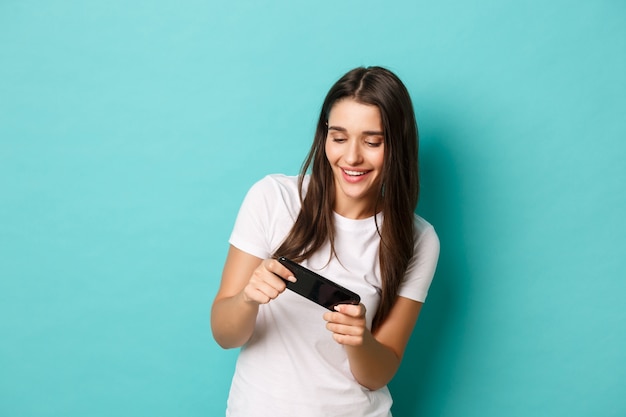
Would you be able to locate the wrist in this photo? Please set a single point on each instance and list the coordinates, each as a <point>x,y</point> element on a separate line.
<point>246,301</point>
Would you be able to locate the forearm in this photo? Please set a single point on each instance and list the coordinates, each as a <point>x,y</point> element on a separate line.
<point>372,363</point>
<point>247,282</point>
<point>233,320</point>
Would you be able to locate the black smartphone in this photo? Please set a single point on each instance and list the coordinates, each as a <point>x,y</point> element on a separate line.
<point>316,288</point>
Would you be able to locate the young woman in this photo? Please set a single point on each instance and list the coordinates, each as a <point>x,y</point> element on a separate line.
<point>351,220</point>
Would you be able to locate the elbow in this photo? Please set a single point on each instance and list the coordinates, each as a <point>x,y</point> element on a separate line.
<point>374,375</point>
<point>373,385</point>
<point>226,340</point>
<point>221,342</point>
<point>224,343</point>
<point>374,379</point>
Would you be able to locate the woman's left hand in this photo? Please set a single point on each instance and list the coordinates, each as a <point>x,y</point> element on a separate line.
<point>347,323</point>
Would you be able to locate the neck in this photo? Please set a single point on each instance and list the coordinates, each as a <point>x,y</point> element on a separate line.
<point>354,211</point>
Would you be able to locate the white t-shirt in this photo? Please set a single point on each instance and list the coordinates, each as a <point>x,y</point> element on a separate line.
<point>291,366</point>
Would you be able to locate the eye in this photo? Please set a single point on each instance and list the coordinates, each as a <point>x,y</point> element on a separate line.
<point>373,144</point>
<point>339,140</point>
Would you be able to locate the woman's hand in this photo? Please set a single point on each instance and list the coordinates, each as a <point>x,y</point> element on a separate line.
<point>247,282</point>
<point>266,283</point>
<point>374,357</point>
<point>347,323</point>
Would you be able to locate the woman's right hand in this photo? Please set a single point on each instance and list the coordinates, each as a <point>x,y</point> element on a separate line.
<point>247,282</point>
<point>267,282</point>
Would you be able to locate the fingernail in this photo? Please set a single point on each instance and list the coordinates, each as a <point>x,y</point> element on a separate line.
<point>291,278</point>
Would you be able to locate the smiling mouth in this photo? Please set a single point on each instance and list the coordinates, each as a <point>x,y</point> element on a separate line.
<point>354,173</point>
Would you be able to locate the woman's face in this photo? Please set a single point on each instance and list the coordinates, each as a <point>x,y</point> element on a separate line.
<point>355,149</point>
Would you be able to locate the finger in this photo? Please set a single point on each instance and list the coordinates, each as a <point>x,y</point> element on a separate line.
<point>348,340</point>
<point>328,316</point>
<point>274,282</point>
<point>278,269</point>
<point>263,292</point>
<point>351,310</point>
<point>272,289</point>
<point>263,275</point>
<point>346,330</point>
<point>253,295</point>
<point>340,318</point>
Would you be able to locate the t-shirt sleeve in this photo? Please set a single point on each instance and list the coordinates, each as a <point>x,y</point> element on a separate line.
<point>250,231</point>
<point>421,269</point>
<point>266,215</point>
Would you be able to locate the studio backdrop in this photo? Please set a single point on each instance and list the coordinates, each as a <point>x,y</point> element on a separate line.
<point>131,131</point>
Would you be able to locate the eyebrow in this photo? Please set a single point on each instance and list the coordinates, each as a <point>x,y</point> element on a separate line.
<point>365,132</point>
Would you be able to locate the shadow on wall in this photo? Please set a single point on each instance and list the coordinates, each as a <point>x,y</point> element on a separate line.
<point>429,361</point>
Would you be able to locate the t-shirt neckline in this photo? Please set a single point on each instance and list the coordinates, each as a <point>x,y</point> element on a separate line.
<point>346,223</point>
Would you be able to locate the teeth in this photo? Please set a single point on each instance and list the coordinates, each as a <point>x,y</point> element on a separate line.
<point>354,173</point>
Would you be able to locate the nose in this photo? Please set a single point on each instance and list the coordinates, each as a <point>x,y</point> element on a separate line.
<point>353,153</point>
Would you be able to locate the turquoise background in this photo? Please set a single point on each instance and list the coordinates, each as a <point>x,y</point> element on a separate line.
<point>130,132</point>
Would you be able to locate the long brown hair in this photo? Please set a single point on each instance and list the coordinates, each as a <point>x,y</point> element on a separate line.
<point>399,189</point>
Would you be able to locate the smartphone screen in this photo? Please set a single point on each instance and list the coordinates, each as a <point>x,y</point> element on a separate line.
<point>317,288</point>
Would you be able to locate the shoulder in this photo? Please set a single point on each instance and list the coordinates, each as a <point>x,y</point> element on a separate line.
<point>421,268</point>
<point>422,227</point>
<point>277,183</point>
<point>424,235</point>
<point>266,215</point>
<point>274,192</point>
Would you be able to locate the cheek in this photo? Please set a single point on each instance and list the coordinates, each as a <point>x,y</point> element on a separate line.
<point>378,159</point>
<point>330,151</point>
